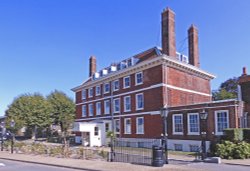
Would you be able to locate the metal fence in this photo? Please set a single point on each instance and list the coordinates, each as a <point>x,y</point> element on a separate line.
<point>137,151</point>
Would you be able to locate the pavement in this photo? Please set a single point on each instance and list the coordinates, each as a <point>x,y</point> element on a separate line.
<point>97,165</point>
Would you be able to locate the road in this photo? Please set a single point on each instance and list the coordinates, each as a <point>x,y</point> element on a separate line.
<point>216,167</point>
<point>7,165</point>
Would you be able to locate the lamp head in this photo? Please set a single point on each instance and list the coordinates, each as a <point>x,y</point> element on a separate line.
<point>164,111</point>
<point>203,115</point>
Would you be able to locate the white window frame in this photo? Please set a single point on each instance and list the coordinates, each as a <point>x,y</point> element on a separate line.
<point>84,110</point>
<point>189,128</point>
<point>96,92</point>
<point>136,80</point>
<point>98,106</point>
<point>125,104</point>
<point>91,106</point>
<point>116,89</point>
<point>124,83</point>
<point>137,125</point>
<point>104,88</point>
<point>91,90</point>
<point>136,101</point>
<point>115,125</point>
<point>126,131</point>
<point>114,107</point>
<point>106,110</point>
<point>84,94</point>
<point>173,123</point>
<point>216,122</point>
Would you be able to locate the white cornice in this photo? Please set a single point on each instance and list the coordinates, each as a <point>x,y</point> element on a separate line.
<point>187,67</point>
<point>159,60</point>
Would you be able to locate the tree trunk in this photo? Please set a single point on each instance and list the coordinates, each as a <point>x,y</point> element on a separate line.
<point>33,136</point>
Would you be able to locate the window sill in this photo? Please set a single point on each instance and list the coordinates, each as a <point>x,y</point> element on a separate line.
<point>140,133</point>
<point>137,84</point>
<point>193,134</point>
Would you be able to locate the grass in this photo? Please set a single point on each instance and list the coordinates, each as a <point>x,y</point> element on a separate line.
<point>183,153</point>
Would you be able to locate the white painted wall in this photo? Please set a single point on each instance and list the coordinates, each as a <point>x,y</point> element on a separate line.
<point>95,140</point>
<point>186,144</point>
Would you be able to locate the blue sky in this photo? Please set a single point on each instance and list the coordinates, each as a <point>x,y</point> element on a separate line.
<point>45,44</point>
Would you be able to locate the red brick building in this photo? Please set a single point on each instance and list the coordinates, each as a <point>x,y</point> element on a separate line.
<point>133,91</point>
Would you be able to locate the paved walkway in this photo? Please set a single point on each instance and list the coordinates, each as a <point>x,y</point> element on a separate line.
<point>103,165</point>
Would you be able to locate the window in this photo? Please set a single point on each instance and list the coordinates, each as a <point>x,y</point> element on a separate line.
<point>106,107</point>
<point>194,148</point>
<point>127,124</point>
<point>84,111</point>
<point>221,121</point>
<point>106,88</point>
<point>127,104</point>
<point>140,125</point>
<point>177,124</point>
<point>126,82</point>
<point>106,127</point>
<point>91,92</point>
<point>117,126</point>
<point>98,108</point>
<point>193,124</point>
<point>116,85</point>
<point>96,131</point>
<point>138,78</point>
<point>97,90</point>
<point>116,105</point>
<point>178,147</point>
<point>139,101</point>
<point>83,94</point>
<point>91,110</point>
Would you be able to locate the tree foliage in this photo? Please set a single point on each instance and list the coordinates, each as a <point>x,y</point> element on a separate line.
<point>227,90</point>
<point>63,111</point>
<point>30,111</point>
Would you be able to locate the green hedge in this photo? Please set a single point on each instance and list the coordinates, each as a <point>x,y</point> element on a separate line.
<point>236,134</point>
<point>233,134</point>
<point>246,135</point>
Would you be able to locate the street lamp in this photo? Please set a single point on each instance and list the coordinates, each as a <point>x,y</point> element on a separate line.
<point>2,134</point>
<point>203,117</point>
<point>164,114</point>
<point>12,125</point>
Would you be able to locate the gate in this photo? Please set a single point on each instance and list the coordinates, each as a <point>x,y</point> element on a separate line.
<point>137,151</point>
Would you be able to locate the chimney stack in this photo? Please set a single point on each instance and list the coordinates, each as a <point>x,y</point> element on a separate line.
<point>92,65</point>
<point>193,46</point>
<point>168,32</point>
<point>244,71</point>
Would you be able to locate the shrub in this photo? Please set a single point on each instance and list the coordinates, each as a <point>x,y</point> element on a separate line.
<point>241,151</point>
<point>230,150</point>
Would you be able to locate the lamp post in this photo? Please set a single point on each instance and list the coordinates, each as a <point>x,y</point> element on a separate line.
<point>164,114</point>
<point>12,125</point>
<point>203,117</point>
<point>2,133</point>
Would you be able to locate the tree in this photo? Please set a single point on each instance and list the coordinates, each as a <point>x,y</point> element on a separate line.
<point>30,111</point>
<point>227,89</point>
<point>63,112</point>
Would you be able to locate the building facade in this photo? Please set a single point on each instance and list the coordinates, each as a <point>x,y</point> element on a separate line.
<point>126,97</point>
